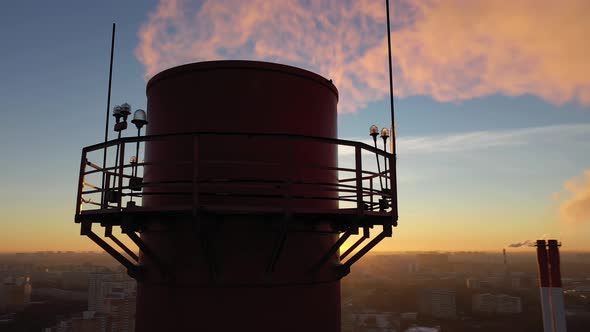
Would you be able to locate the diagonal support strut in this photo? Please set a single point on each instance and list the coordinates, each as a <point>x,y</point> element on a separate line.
<point>132,270</point>
<point>108,232</point>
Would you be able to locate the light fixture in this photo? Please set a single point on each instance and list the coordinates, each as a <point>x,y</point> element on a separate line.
<point>374,131</point>
<point>384,133</point>
<point>385,136</point>
<point>125,110</point>
<point>117,113</point>
<point>121,111</point>
<point>139,118</point>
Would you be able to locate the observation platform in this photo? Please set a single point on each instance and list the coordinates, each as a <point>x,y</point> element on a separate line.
<point>276,184</point>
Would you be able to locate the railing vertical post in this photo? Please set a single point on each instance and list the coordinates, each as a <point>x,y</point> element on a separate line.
<point>371,193</point>
<point>105,190</point>
<point>359,178</point>
<point>393,187</point>
<point>81,177</point>
<point>121,165</point>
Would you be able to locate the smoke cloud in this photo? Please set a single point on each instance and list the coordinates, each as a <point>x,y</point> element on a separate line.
<point>527,243</point>
<point>451,50</point>
<point>575,204</point>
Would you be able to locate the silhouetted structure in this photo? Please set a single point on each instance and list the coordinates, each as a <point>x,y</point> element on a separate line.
<point>552,302</point>
<point>240,200</point>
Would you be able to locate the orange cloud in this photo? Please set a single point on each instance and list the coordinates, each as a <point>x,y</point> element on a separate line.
<point>451,50</point>
<point>575,208</point>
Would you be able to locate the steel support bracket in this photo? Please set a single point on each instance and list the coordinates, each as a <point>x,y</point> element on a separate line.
<point>366,233</point>
<point>387,232</point>
<point>143,248</point>
<point>108,232</point>
<point>334,248</point>
<point>133,270</point>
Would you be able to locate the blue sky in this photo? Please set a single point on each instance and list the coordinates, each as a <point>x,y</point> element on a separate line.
<point>475,173</point>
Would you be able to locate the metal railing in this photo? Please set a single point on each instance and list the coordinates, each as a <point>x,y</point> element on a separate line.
<point>355,189</point>
<point>294,182</point>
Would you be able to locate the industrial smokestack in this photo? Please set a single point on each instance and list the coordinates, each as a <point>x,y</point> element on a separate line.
<point>238,210</point>
<point>557,302</point>
<point>544,285</point>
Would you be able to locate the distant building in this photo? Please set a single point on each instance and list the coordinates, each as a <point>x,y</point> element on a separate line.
<point>501,303</point>
<point>473,283</point>
<point>118,315</point>
<point>509,304</point>
<point>102,285</point>
<point>60,294</point>
<point>112,295</point>
<point>374,322</point>
<point>432,261</point>
<point>495,280</point>
<point>88,321</point>
<point>485,303</point>
<point>423,329</point>
<point>121,311</point>
<point>15,293</point>
<point>74,280</point>
<point>409,316</point>
<point>516,282</point>
<point>439,303</point>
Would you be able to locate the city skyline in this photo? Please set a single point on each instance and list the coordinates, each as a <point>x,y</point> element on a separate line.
<point>463,292</point>
<point>492,131</point>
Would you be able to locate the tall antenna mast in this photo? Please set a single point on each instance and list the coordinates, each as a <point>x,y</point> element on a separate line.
<point>106,127</point>
<point>393,165</point>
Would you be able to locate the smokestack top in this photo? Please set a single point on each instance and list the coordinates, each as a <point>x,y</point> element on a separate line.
<point>241,64</point>
<point>543,263</point>
<point>554,264</point>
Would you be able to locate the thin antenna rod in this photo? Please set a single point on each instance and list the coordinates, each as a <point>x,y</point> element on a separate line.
<point>393,163</point>
<point>106,128</point>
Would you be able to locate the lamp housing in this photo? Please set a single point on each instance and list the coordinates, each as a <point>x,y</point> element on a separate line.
<point>139,118</point>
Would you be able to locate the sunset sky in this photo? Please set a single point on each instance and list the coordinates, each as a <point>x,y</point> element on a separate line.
<point>492,101</point>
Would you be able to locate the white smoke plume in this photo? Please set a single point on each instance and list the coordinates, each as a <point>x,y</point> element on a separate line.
<point>575,200</point>
<point>451,50</point>
<point>527,243</point>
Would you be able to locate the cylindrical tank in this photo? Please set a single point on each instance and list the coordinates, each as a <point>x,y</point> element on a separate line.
<point>216,265</point>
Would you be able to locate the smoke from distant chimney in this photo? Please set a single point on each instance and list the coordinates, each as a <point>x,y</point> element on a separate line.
<point>527,243</point>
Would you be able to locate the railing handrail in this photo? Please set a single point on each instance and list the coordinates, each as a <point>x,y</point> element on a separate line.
<point>147,138</point>
<point>356,174</point>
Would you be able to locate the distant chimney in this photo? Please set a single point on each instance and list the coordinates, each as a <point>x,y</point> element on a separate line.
<point>544,285</point>
<point>557,302</point>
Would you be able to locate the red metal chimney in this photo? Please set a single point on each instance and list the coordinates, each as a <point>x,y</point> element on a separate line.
<point>544,285</point>
<point>557,301</point>
<point>241,201</point>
